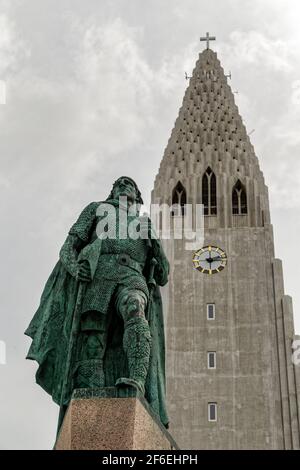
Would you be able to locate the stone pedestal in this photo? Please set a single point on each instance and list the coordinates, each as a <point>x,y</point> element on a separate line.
<point>111,419</point>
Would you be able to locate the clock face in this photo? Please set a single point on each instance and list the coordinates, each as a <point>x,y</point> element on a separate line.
<point>210,260</point>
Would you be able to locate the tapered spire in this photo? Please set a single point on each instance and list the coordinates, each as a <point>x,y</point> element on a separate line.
<point>209,123</point>
<point>209,132</point>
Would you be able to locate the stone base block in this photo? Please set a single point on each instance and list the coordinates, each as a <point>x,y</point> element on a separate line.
<point>111,419</point>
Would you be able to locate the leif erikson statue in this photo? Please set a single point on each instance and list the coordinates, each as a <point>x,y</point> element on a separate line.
<point>100,323</point>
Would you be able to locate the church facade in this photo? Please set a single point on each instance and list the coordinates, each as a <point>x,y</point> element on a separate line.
<point>231,380</point>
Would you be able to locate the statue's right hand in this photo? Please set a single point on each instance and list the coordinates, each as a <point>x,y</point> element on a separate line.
<point>84,272</point>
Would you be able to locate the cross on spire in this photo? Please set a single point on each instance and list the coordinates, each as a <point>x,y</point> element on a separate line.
<point>207,38</point>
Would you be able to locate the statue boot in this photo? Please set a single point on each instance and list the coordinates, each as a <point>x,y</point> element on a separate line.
<point>131,304</point>
<point>89,374</point>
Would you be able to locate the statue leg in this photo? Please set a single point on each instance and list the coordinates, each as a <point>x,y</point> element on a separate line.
<point>90,372</point>
<point>131,305</point>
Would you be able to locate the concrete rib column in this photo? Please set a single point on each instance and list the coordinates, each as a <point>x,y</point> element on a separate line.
<point>282,360</point>
<point>296,367</point>
<point>288,322</point>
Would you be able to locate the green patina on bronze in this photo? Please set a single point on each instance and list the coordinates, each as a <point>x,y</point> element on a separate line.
<point>100,321</point>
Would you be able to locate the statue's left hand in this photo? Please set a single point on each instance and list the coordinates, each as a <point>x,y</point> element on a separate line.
<point>80,269</point>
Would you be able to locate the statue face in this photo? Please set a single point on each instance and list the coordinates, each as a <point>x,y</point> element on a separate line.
<point>125,188</point>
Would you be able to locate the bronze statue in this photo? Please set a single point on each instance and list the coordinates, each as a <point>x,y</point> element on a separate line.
<point>100,323</point>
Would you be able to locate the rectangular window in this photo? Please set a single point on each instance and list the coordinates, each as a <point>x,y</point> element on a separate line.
<point>212,412</point>
<point>211,311</point>
<point>212,360</point>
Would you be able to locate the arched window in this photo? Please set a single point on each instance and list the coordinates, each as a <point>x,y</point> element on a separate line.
<point>178,199</point>
<point>239,199</point>
<point>209,192</point>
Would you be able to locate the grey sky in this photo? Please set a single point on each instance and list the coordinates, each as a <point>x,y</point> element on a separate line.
<point>93,90</point>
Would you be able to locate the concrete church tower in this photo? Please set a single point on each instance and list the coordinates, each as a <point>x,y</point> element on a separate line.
<point>231,381</point>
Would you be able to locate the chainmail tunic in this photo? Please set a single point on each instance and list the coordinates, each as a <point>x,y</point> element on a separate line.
<point>110,273</point>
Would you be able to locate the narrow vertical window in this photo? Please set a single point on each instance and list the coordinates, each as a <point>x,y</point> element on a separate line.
<point>239,199</point>
<point>213,195</point>
<point>212,412</point>
<point>178,199</point>
<point>212,360</point>
<point>209,192</point>
<point>211,311</point>
<point>235,202</point>
<point>205,193</point>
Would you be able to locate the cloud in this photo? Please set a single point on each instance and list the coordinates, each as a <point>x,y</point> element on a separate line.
<point>4,182</point>
<point>256,48</point>
<point>296,93</point>
<point>281,143</point>
<point>268,100</point>
<point>12,48</point>
<point>117,83</point>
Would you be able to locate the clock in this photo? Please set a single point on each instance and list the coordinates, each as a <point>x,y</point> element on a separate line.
<point>209,260</point>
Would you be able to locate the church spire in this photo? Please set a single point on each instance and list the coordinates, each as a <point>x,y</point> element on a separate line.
<point>209,132</point>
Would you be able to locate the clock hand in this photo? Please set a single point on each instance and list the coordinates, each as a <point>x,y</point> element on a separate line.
<point>211,260</point>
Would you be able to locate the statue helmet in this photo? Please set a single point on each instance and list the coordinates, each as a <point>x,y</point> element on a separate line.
<point>139,196</point>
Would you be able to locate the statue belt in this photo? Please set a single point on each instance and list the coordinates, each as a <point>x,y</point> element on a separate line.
<point>123,260</point>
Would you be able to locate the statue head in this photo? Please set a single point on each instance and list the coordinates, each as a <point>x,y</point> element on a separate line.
<point>126,187</point>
